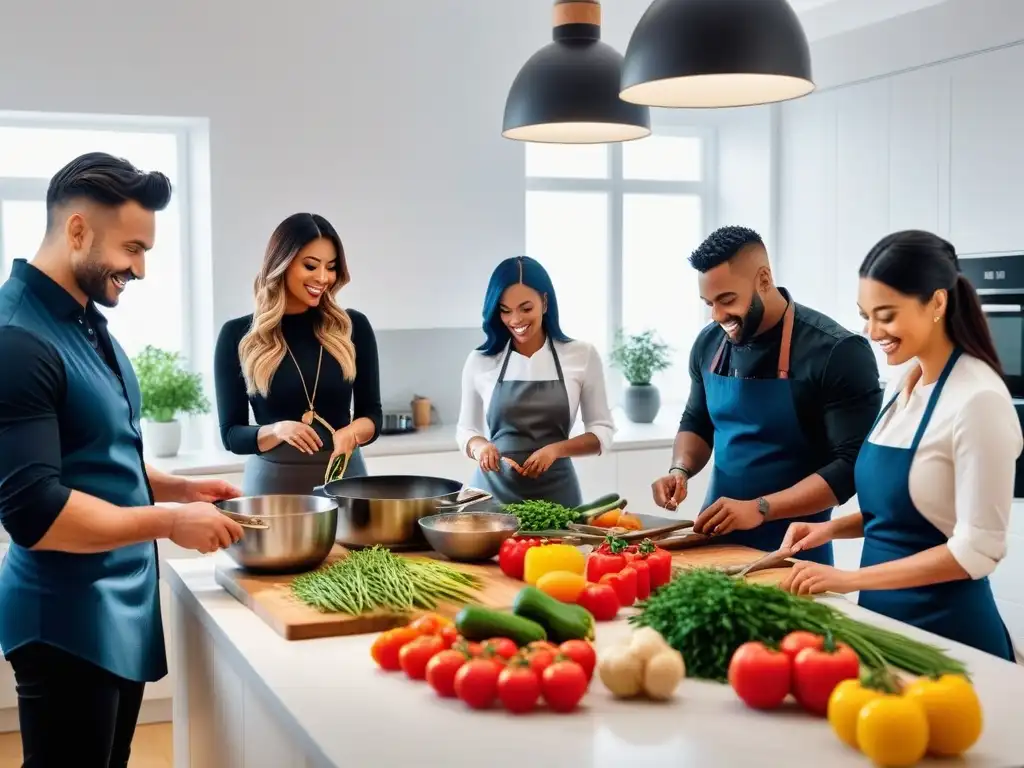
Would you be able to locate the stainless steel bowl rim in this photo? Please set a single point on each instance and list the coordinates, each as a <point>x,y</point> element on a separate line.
<point>427,523</point>
<point>324,505</point>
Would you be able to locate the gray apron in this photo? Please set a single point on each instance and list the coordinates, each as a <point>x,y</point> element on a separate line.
<point>523,417</point>
<point>285,469</point>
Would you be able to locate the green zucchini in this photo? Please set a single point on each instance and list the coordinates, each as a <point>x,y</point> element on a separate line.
<point>598,511</point>
<point>561,620</point>
<point>608,499</point>
<point>477,623</point>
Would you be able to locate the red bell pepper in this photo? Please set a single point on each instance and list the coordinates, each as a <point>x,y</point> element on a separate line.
<point>610,557</point>
<point>659,562</point>
<point>643,577</point>
<point>600,600</point>
<point>624,583</point>
<point>512,555</point>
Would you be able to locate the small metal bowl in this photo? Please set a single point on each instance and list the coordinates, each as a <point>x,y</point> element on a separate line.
<point>468,536</point>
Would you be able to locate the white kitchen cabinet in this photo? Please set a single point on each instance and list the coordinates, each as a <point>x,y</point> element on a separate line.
<point>806,257</point>
<point>987,154</point>
<point>637,470</point>
<point>598,475</point>
<point>862,189</point>
<point>919,150</point>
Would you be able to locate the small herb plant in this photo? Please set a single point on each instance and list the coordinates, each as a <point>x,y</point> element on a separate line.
<point>640,356</point>
<point>168,388</point>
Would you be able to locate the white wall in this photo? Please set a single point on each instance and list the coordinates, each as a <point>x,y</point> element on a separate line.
<point>920,135</point>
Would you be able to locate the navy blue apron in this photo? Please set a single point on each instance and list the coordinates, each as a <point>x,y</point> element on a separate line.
<point>964,611</point>
<point>524,416</point>
<point>760,447</point>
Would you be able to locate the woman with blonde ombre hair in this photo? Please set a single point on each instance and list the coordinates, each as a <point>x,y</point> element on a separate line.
<point>307,367</point>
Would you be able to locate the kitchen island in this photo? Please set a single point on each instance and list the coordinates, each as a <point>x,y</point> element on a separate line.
<point>246,698</point>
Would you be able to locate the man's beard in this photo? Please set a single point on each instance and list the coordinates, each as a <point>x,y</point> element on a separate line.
<point>95,280</point>
<point>750,322</point>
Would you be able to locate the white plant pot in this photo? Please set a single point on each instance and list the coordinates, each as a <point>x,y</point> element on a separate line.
<point>161,438</point>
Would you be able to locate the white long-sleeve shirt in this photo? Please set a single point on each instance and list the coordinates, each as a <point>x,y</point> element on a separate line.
<point>961,478</point>
<point>584,383</point>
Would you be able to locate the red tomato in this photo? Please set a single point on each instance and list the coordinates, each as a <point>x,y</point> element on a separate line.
<point>472,650</point>
<point>414,656</point>
<point>441,671</point>
<point>582,653</point>
<point>795,642</point>
<point>816,673</point>
<point>388,645</point>
<point>624,583</point>
<point>539,659</point>
<point>643,577</point>
<point>450,636</point>
<point>660,564</point>
<point>518,688</point>
<point>542,645</point>
<point>760,676</point>
<point>430,624</point>
<point>476,682</point>
<point>601,601</point>
<point>501,647</point>
<point>564,684</point>
<point>600,563</point>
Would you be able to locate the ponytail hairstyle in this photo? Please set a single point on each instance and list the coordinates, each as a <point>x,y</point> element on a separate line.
<point>918,264</point>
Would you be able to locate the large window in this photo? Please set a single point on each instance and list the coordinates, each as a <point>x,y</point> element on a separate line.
<point>32,150</point>
<point>614,225</point>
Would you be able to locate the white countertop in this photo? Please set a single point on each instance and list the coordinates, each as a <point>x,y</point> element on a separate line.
<point>439,439</point>
<point>322,688</point>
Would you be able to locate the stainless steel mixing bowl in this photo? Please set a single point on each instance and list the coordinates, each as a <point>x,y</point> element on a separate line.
<point>384,509</point>
<point>299,537</point>
<point>468,536</point>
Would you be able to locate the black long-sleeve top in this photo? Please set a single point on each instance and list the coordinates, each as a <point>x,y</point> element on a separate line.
<point>337,401</point>
<point>836,388</point>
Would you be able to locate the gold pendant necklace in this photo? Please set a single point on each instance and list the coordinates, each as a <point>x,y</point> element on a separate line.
<point>309,416</point>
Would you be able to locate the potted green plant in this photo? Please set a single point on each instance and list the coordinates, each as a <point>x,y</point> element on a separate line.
<point>639,357</point>
<point>168,390</point>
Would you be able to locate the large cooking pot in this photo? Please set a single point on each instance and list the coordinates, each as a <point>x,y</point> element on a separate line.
<point>298,537</point>
<point>385,509</point>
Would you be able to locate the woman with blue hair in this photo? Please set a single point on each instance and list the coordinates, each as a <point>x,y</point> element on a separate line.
<point>522,390</point>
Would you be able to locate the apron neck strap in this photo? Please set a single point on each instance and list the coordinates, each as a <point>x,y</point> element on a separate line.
<point>784,348</point>
<point>508,354</point>
<point>934,398</point>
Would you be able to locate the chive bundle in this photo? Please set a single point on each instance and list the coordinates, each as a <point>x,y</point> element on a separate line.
<point>707,615</point>
<point>376,579</point>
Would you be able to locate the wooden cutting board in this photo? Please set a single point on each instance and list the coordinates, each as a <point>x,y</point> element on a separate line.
<point>270,598</point>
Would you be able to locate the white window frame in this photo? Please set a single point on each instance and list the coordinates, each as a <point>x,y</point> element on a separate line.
<point>616,188</point>
<point>180,128</point>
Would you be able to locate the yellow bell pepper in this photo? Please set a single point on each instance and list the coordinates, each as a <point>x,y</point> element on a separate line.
<point>549,558</point>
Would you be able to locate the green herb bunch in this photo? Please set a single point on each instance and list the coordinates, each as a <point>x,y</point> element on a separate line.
<point>706,616</point>
<point>168,387</point>
<point>540,515</point>
<point>640,356</point>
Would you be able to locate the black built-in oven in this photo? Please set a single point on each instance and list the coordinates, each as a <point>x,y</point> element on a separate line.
<point>999,280</point>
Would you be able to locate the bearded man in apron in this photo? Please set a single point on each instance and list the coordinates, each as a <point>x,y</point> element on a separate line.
<point>783,394</point>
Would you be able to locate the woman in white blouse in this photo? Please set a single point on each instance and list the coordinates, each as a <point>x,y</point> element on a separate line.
<point>522,389</point>
<point>935,476</point>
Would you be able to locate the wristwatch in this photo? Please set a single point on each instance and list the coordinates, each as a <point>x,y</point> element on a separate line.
<point>763,507</point>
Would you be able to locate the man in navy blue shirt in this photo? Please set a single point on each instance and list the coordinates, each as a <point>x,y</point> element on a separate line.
<point>79,602</point>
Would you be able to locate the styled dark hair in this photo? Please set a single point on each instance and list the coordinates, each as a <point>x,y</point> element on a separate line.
<point>721,245</point>
<point>918,264</point>
<point>529,272</point>
<point>107,180</point>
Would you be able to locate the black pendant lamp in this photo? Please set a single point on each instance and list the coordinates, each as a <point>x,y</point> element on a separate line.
<point>568,92</point>
<point>717,53</point>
